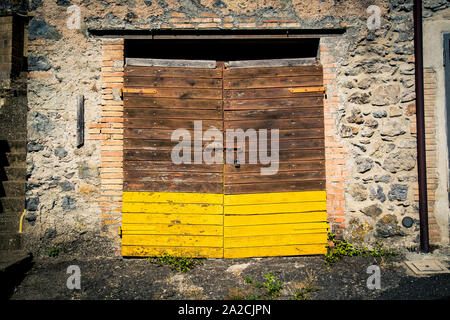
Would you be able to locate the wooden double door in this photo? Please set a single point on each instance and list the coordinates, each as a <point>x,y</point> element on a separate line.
<point>230,209</point>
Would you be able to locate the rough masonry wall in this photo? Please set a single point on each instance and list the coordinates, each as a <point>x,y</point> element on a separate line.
<point>371,156</point>
<point>376,117</point>
<point>63,181</point>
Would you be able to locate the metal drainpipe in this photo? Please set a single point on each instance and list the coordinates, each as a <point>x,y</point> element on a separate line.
<point>420,122</point>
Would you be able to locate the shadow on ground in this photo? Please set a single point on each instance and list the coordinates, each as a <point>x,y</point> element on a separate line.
<point>302,278</point>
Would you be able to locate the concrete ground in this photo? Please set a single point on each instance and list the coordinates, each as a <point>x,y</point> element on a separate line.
<point>302,278</point>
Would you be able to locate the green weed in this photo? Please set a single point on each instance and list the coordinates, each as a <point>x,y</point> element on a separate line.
<point>303,294</point>
<point>55,251</point>
<point>343,248</point>
<point>272,285</point>
<point>179,264</point>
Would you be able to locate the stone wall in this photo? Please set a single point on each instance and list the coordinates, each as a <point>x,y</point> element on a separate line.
<point>63,180</point>
<point>377,84</point>
<point>371,155</point>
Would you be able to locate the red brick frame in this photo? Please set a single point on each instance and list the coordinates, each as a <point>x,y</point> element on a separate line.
<point>336,154</point>
<point>430,86</point>
<point>110,133</point>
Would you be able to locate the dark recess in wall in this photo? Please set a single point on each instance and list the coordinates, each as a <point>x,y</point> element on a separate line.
<point>222,49</point>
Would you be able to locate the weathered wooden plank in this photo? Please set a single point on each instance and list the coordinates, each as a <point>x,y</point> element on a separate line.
<point>273,63</point>
<point>310,185</point>
<point>199,230</point>
<point>282,166</point>
<point>147,155</point>
<point>283,144</point>
<point>152,177</point>
<point>287,155</point>
<point>164,82</point>
<point>267,208</point>
<point>147,133</point>
<point>285,124</point>
<point>169,166</point>
<point>290,250</point>
<point>166,155</point>
<point>275,240</point>
<point>134,71</point>
<point>150,123</point>
<point>151,251</point>
<point>307,100</point>
<point>273,82</point>
<point>174,186</point>
<point>282,197</point>
<point>256,177</point>
<point>161,144</point>
<point>147,144</point>
<point>171,63</point>
<point>180,93</point>
<point>158,134</point>
<point>276,229</point>
<point>266,93</point>
<point>154,113</point>
<point>170,197</point>
<point>173,219</point>
<point>281,113</point>
<point>188,208</point>
<point>271,72</point>
<point>301,133</point>
<point>138,176</point>
<point>143,91</point>
<point>172,103</point>
<point>270,219</point>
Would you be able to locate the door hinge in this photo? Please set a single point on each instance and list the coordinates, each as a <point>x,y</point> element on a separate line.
<point>310,89</point>
<point>138,90</point>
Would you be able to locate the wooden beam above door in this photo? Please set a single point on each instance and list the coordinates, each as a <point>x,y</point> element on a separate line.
<point>217,33</point>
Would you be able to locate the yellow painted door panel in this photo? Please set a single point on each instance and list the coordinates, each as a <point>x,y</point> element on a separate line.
<point>275,240</point>
<point>238,230</point>
<point>276,197</point>
<point>172,197</point>
<point>198,208</point>
<point>185,229</point>
<point>166,240</point>
<point>273,219</point>
<point>266,224</point>
<point>150,251</point>
<point>291,250</point>
<point>180,224</point>
<point>276,208</point>
<point>172,219</point>
<point>284,228</point>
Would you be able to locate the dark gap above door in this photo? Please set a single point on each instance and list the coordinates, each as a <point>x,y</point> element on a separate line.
<point>222,49</point>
